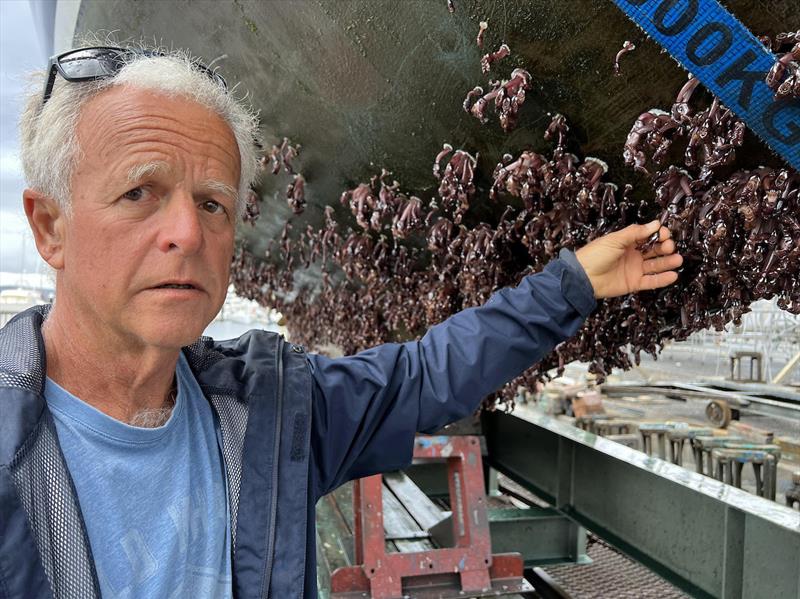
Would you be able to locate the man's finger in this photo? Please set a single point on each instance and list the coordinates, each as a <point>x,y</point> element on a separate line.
<point>662,263</point>
<point>634,234</point>
<point>658,280</point>
<point>661,249</point>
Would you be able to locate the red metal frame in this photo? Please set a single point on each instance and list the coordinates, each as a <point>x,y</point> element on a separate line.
<point>471,558</point>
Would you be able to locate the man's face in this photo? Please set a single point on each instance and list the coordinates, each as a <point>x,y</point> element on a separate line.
<point>149,242</point>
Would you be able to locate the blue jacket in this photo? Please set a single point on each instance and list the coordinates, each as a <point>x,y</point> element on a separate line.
<point>293,426</point>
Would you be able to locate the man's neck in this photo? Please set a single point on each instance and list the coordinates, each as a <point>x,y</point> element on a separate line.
<point>120,379</point>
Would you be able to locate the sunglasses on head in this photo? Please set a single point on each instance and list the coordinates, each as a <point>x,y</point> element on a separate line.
<point>102,62</point>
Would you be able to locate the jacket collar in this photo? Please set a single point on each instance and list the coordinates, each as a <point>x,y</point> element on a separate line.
<point>22,372</point>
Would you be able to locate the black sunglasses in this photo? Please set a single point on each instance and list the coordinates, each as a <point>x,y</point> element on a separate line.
<point>101,62</point>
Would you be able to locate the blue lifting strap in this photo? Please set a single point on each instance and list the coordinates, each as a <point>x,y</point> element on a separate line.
<point>715,47</point>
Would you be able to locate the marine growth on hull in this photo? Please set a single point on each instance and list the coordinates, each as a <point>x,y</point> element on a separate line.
<point>396,261</point>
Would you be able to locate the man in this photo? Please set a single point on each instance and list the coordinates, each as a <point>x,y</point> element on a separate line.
<point>138,461</point>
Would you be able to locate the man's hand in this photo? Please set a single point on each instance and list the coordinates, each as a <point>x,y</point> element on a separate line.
<point>615,266</point>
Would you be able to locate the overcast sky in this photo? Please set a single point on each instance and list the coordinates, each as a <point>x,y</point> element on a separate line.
<point>19,53</point>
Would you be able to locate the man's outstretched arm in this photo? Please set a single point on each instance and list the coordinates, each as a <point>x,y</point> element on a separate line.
<point>367,407</point>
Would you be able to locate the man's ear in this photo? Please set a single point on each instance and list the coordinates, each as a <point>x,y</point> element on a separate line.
<point>48,224</point>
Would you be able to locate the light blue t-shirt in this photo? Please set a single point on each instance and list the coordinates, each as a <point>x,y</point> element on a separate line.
<point>154,499</point>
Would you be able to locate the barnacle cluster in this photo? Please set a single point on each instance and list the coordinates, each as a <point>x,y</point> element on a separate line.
<point>456,186</point>
<point>784,76</point>
<point>281,157</point>
<point>252,208</point>
<point>395,263</point>
<point>507,95</point>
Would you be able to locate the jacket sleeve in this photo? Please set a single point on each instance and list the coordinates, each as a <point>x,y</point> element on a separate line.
<point>367,407</point>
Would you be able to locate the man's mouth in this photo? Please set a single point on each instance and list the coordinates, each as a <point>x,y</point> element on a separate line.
<point>175,286</point>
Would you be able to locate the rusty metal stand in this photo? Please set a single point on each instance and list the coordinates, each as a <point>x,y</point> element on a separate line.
<point>466,569</point>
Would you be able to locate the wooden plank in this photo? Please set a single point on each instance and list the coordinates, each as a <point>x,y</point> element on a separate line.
<point>424,511</point>
<point>342,499</point>
<point>331,533</point>
<point>400,527</point>
<point>395,517</point>
<point>323,573</point>
<point>344,503</point>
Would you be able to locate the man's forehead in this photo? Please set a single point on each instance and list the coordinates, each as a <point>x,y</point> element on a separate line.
<point>146,125</point>
<point>125,109</point>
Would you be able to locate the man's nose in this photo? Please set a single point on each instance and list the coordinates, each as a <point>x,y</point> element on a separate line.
<point>180,227</point>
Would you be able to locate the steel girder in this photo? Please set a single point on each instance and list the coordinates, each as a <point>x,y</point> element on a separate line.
<point>708,538</point>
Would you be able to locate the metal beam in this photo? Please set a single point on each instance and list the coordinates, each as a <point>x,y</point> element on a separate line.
<point>786,369</point>
<point>746,397</point>
<point>708,538</point>
<point>541,535</point>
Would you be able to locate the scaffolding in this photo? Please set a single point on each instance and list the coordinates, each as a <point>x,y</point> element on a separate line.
<point>766,330</point>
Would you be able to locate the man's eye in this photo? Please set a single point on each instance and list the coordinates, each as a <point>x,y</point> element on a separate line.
<point>135,194</point>
<point>213,207</point>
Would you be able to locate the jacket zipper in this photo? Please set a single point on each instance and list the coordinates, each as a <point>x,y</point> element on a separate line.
<point>276,455</point>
